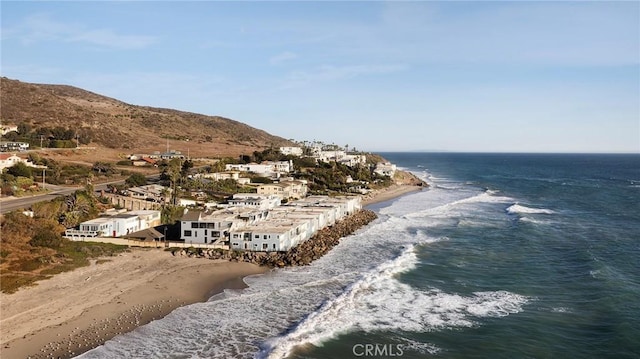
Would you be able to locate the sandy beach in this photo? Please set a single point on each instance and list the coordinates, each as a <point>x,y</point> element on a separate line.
<point>79,310</point>
<point>76,311</point>
<point>388,193</point>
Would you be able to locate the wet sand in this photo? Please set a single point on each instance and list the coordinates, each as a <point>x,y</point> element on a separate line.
<point>76,311</point>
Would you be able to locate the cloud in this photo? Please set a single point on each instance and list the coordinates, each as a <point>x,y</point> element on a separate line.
<point>41,27</point>
<point>282,57</point>
<point>328,73</point>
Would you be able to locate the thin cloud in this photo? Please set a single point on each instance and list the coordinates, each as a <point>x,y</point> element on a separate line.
<point>282,57</point>
<point>328,73</point>
<point>41,27</point>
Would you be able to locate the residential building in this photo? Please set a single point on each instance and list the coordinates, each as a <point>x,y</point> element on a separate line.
<point>289,225</point>
<point>254,200</point>
<point>271,236</point>
<point>293,151</point>
<point>199,226</point>
<point>152,192</point>
<point>9,160</point>
<point>266,168</point>
<point>8,128</point>
<point>385,169</point>
<point>9,146</point>
<point>115,224</point>
<point>284,189</point>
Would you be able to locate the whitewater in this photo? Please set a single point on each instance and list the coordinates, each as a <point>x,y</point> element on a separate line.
<point>356,288</point>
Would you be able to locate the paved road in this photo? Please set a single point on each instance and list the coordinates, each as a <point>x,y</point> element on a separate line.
<point>12,204</point>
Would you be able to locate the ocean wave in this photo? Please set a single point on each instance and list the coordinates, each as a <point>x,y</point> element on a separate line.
<point>520,209</point>
<point>488,196</point>
<point>533,220</point>
<point>378,301</point>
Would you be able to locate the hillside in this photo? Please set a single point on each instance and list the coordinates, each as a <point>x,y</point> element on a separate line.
<point>112,124</point>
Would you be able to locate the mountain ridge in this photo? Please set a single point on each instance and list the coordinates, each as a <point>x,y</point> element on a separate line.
<point>107,122</point>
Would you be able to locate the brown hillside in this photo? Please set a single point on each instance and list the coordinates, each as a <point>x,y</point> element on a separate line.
<point>121,127</point>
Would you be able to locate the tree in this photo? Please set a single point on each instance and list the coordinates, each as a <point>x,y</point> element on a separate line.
<point>20,170</point>
<point>136,179</point>
<point>24,129</point>
<point>103,167</point>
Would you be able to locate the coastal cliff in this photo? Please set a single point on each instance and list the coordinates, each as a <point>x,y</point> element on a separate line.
<point>308,251</point>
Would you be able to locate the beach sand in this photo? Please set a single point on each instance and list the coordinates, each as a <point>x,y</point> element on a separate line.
<point>79,310</point>
<point>388,193</point>
<point>76,311</point>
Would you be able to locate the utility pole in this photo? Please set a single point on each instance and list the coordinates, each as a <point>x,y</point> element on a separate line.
<point>43,174</point>
<point>41,138</point>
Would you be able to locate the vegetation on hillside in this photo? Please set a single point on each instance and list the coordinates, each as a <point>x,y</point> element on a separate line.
<point>65,116</point>
<point>33,249</point>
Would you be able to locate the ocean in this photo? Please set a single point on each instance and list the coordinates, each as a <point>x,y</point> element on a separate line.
<point>503,256</point>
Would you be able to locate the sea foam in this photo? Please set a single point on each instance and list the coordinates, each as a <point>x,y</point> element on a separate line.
<point>520,209</point>
<point>379,301</point>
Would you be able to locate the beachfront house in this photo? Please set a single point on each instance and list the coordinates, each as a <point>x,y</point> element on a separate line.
<point>289,225</point>
<point>277,234</point>
<point>385,169</point>
<point>115,223</point>
<point>197,226</point>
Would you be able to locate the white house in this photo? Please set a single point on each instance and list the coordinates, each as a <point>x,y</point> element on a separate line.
<point>353,160</point>
<point>385,169</point>
<point>115,224</point>
<point>284,189</point>
<point>9,160</point>
<point>266,168</point>
<point>254,200</point>
<point>293,151</point>
<point>212,226</point>
<point>7,146</point>
<point>152,192</point>
<point>288,226</point>
<point>272,235</point>
<point>8,128</point>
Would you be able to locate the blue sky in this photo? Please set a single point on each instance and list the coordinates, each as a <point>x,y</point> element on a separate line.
<point>380,76</point>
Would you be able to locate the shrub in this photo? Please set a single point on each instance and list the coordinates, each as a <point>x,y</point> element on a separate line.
<point>46,238</point>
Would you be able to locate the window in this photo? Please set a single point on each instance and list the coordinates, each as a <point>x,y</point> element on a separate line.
<point>211,225</point>
<point>274,246</point>
<point>205,232</point>
<point>257,236</point>
<point>265,246</point>
<point>235,244</point>
<point>265,236</point>
<point>187,233</point>
<point>194,224</point>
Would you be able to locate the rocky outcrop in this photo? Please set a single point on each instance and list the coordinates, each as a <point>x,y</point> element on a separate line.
<point>303,254</point>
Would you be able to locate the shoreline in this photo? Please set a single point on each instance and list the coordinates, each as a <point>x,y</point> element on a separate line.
<point>392,192</point>
<point>74,312</point>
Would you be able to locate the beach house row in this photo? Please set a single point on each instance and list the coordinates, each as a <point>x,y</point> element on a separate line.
<point>326,156</point>
<point>115,223</point>
<point>265,168</point>
<point>276,229</point>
